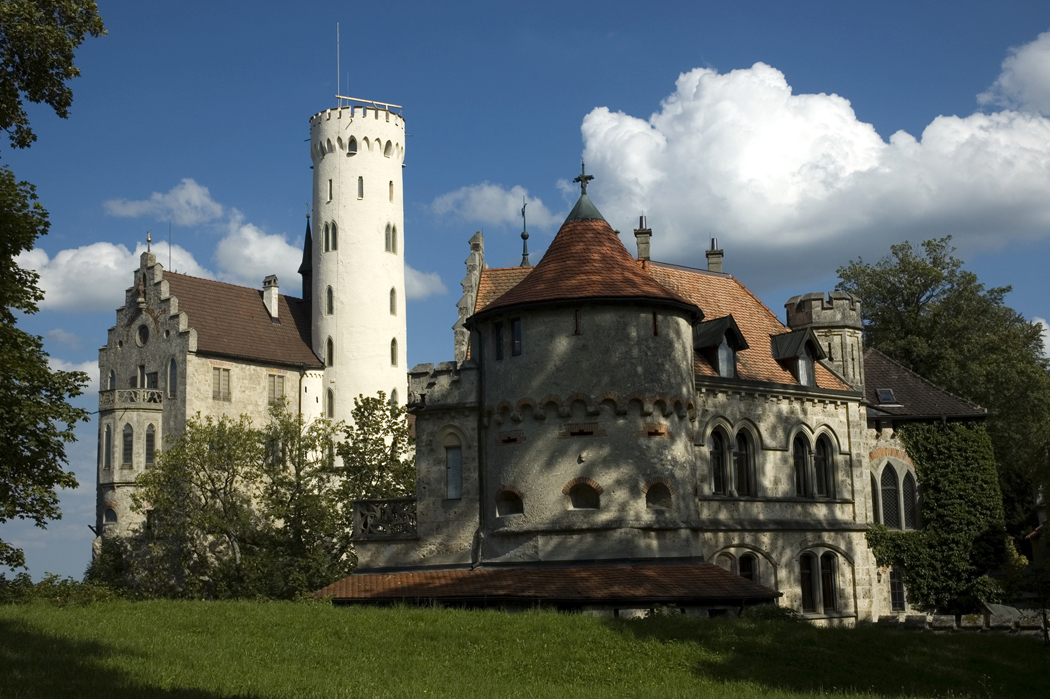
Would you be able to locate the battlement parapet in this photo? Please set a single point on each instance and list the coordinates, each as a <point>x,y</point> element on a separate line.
<point>835,309</point>
<point>443,384</point>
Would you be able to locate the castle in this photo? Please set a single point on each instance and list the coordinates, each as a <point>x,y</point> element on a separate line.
<point>612,433</point>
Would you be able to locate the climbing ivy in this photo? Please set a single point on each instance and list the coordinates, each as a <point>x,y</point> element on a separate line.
<point>944,564</point>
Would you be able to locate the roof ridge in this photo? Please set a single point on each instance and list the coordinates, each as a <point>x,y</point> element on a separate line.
<point>926,381</point>
<point>236,286</point>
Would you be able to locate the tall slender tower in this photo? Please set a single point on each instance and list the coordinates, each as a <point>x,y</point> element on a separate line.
<point>358,269</point>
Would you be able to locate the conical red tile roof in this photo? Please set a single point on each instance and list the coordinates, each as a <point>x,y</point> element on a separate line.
<point>587,261</point>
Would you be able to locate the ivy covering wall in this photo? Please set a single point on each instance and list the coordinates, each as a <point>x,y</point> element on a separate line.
<point>944,563</point>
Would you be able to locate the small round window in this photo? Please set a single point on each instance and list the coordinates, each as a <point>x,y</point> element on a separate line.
<point>143,335</point>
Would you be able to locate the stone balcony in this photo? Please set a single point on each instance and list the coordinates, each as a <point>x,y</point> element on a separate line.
<point>133,398</point>
<point>385,519</point>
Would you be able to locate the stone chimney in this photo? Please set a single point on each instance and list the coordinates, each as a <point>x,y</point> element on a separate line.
<point>270,295</point>
<point>642,234</point>
<point>714,257</point>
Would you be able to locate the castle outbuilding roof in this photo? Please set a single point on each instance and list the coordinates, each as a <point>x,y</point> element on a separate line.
<point>626,584</point>
<point>232,321</point>
<point>586,262</point>
<point>910,396</point>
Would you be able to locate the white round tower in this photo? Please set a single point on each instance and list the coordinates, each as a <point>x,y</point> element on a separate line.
<point>358,269</point>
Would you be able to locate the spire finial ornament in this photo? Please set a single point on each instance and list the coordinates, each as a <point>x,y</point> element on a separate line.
<point>524,236</point>
<point>583,178</point>
<point>149,241</point>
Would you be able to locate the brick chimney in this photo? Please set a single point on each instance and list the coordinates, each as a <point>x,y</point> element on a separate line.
<point>714,257</point>
<point>642,234</point>
<point>270,295</point>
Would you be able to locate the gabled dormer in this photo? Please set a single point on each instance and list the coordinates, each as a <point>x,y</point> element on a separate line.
<point>718,341</point>
<point>798,351</point>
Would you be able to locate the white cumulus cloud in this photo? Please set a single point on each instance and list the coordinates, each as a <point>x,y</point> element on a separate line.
<point>185,204</point>
<point>94,277</point>
<point>1024,83</point>
<point>419,285</point>
<point>90,368</point>
<point>1046,334</point>
<point>494,205</point>
<point>247,255</point>
<point>795,185</point>
<point>63,337</point>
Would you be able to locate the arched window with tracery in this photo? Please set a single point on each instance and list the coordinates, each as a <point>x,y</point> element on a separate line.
<point>800,460</point>
<point>891,513</point>
<point>743,465</point>
<point>718,463</point>
<point>911,519</point>
<point>128,452</point>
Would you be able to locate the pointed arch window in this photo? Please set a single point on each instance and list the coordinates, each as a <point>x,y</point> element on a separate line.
<point>335,236</point>
<point>718,463</point>
<point>391,190</point>
<point>112,379</point>
<point>128,452</point>
<point>393,240</point>
<point>800,459</point>
<point>393,301</point>
<point>806,566</point>
<point>151,444</point>
<point>327,239</point>
<point>827,582</point>
<point>891,514</point>
<point>360,187</point>
<point>389,245</point>
<point>329,301</point>
<point>329,404</point>
<point>351,147</point>
<point>393,352</point>
<point>743,465</point>
<point>329,353</point>
<point>173,378</point>
<point>823,481</point>
<point>453,467</point>
<point>876,512</point>
<point>911,519</point>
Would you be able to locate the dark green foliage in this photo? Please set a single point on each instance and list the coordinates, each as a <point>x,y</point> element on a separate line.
<point>37,41</point>
<point>923,310</point>
<point>377,455</point>
<point>52,589</point>
<point>944,564</point>
<point>36,421</point>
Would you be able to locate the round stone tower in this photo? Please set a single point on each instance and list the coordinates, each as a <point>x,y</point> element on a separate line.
<point>357,258</point>
<point>836,321</point>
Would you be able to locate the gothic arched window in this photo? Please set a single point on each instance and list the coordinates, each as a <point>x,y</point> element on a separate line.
<point>335,236</point>
<point>329,301</point>
<point>173,378</point>
<point>823,468</point>
<point>129,445</point>
<point>389,247</point>
<point>151,444</point>
<point>327,240</point>
<point>329,353</point>
<point>393,352</point>
<point>718,463</point>
<point>910,502</point>
<point>453,467</point>
<point>744,465</point>
<point>329,404</point>
<point>393,240</point>
<point>891,513</point>
<point>393,301</point>
<point>351,147</point>
<point>800,459</point>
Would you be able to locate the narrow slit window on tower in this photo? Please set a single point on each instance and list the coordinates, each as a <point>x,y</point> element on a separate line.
<point>393,239</point>
<point>360,187</point>
<point>329,404</point>
<point>327,239</point>
<point>329,301</point>
<point>577,321</point>
<point>393,352</point>
<point>329,190</point>
<point>393,302</point>
<point>112,379</point>
<point>128,450</point>
<point>656,324</point>
<point>497,339</point>
<point>173,378</point>
<point>151,444</point>
<point>515,337</point>
<point>107,446</point>
<point>389,247</point>
<point>391,190</point>
<point>335,236</point>
<point>329,353</point>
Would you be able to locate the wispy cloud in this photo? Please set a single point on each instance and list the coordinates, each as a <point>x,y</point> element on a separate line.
<point>90,368</point>
<point>185,204</point>
<point>493,205</point>
<point>419,285</point>
<point>63,337</point>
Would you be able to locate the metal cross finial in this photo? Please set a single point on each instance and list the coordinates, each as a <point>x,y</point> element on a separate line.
<point>149,241</point>
<point>524,236</point>
<point>524,203</point>
<point>583,178</point>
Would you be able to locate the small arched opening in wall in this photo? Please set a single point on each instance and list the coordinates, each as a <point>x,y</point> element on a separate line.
<point>389,150</point>
<point>658,493</point>
<point>351,147</point>
<point>584,494</point>
<point>509,501</point>
<point>109,516</point>
<point>750,562</point>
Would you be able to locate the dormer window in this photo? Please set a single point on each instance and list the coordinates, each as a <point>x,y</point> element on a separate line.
<point>718,341</point>
<point>797,352</point>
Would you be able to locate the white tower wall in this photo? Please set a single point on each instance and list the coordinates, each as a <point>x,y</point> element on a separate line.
<point>358,265</point>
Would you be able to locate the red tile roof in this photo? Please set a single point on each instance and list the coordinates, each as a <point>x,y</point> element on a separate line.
<point>232,321</point>
<point>613,582</point>
<point>586,260</point>
<point>717,295</point>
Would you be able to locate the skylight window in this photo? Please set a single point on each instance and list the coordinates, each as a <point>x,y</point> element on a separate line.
<point>886,396</point>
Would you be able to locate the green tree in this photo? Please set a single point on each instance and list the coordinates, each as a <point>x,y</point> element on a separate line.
<point>944,564</point>
<point>37,41</point>
<point>377,457</point>
<point>926,312</point>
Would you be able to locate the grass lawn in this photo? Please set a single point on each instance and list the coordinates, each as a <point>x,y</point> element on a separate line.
<point>198,650</point>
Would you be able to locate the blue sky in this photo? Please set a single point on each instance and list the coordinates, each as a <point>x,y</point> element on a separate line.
<point>802,135</point>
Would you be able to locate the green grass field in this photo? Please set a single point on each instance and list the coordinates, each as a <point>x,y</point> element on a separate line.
<point>198,650</point>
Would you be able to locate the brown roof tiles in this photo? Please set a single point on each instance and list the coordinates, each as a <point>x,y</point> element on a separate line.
<point>914,396</point>
<point>622,583</point>
<point>232,320</point>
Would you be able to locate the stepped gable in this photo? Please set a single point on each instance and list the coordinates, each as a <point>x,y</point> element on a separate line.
<point>914,396</point>
<point>719,295</point>
<point>233,321</point>
<point>681,583</point>
<point>585,262</point>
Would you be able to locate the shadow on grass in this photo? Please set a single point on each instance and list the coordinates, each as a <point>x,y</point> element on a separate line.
<point>882,662</point>
<point>33,664</point>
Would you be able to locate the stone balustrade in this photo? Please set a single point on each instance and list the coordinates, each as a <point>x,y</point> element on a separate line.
<point>148,398</point>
